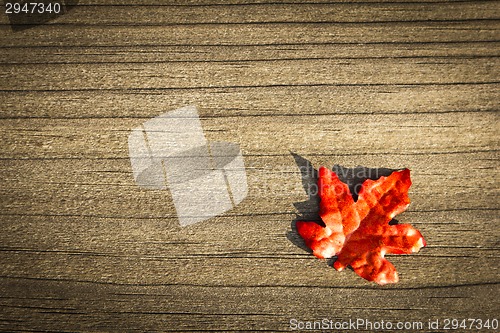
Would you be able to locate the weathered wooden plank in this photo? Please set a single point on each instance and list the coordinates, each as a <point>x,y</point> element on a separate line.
<point>164,14</point>
<point>105,188</point>
<point>478,166</point>
<point>253,34</point>
<point>251,102</point>
<point>332,134</point>
<point>228,53</point>
<point>140,14</point>
<point>249,74</point>
<point>216,3</point>
<point>466,233</point>
<point>106,201</point>
<point>184,308</point>
<point>416,271</point>
<point>218,252</point>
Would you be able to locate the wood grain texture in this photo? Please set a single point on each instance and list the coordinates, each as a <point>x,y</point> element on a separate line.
<point>380,84</point>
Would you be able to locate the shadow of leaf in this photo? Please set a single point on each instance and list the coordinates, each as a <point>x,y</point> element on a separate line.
<point>307,210</point>
<point>355,177</point>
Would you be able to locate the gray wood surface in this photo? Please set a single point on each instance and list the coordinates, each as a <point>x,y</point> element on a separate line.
<point>380,84</point>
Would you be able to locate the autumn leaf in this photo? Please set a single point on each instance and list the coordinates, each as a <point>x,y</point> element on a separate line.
<point>358,232</point>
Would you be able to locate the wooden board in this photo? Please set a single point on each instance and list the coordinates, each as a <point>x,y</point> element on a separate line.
<point>378,84</point>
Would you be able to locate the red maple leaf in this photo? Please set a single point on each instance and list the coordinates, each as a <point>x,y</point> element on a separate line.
<point>359,232</point>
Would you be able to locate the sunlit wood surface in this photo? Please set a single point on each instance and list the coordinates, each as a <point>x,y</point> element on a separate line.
<point>396,84</point>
